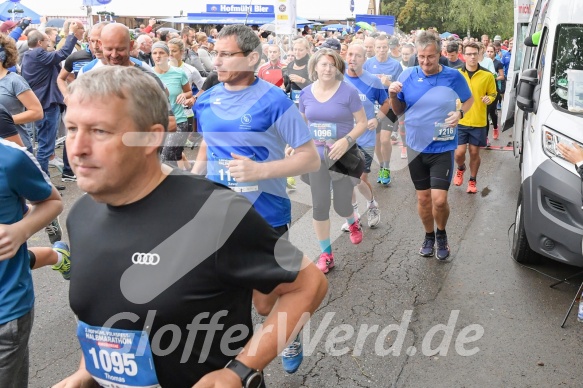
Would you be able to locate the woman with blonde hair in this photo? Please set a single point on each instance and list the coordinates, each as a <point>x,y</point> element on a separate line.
<point>296,75</point>
<point>336,119</point>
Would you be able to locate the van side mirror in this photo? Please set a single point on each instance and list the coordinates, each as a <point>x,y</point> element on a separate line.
<point>525,92</point>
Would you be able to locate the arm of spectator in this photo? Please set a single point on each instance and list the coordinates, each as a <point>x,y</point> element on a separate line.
<point>15,139</point>
<point>53,57</point>
<point>151,24</point>
<point>43,24</point>
<point>199,167</point>
<point>205,59</point>
<point>34,110</point>
<point>62,82</point>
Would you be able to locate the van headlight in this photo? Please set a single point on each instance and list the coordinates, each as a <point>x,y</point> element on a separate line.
<point>551,140</point>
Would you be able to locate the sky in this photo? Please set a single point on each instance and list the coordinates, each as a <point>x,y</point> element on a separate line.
<point>310,9</point>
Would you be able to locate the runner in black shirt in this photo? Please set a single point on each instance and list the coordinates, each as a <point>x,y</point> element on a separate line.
<point>169,263</point>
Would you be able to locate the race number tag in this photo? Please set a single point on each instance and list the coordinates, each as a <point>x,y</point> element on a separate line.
<point>117,358</point>
<point>226,179</point>
<point>295,96</point>
<point>377,107</point>
<point>323,132</point>
<point>443,133</point>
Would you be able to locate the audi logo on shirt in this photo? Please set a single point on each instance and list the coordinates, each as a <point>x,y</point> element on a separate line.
<point>146,258</point>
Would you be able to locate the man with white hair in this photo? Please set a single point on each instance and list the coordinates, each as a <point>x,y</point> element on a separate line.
<point>145,45</point>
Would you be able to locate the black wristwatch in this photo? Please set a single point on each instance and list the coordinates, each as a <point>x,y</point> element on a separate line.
<point>350,140</point>
<point>462,113</point>
<point>250,378</point>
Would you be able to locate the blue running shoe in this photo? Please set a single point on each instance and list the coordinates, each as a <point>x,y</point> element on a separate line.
<point>385,176</point>
<point>427,248</point>
<point>292,356</point>
<point>65,267</point>
<point>442,251</point>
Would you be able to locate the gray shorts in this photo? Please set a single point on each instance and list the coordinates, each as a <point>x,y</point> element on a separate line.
<point>368,157</point>
<point>14,337</point>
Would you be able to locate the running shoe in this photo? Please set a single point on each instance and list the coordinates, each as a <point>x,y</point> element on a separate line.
<point>346,228</point>
<point>355,232</point>
<point>292,356</point>
<point>403,152</point>
<point>442,251</point>
<point>488,142</point>
<point>374,217</point>
<point>385,176</point>
<point>496,133</point>
<point>57,163</point>
<point>428,247</point>
<point>68,177</point>
<point>394,138</point>
<point>291,183</point>
<point>325,262</point>
<point>54,231</point>
<point>459,177</point>
<point>65,267</point>
<point>472,187</point>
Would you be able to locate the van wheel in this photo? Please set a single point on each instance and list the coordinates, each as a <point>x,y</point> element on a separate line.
<point>521,251</point>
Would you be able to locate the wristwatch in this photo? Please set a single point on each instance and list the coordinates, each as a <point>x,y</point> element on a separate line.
<point>350,140</point>
<point>250,378</point>
<point>462,113</point>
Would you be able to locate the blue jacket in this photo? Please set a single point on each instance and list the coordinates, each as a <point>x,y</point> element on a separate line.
<point>40,68</point>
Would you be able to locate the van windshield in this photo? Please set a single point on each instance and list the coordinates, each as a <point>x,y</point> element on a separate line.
<point>568,54</point>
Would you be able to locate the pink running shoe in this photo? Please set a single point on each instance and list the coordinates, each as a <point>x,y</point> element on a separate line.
<point>325,262</point>
<point>355,232</point>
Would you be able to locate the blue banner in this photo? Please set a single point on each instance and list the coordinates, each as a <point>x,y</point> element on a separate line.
<point>240,8</point>
<point>95,2</point>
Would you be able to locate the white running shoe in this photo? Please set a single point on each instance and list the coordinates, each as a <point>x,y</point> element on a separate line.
<point>346,228</point>
<point>374,217</point>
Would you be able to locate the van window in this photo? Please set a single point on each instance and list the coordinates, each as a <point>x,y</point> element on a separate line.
<point>519,46</point>
<point>568,54</point>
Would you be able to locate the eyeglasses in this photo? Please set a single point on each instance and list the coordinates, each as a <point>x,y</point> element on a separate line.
<point>226,54</point>
<point>471,54</point>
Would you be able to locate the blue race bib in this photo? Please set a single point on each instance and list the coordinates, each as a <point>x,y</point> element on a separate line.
<point>295,96</point>
<point>117,358</point>
<point>442,132</point>
<point>225,178</point>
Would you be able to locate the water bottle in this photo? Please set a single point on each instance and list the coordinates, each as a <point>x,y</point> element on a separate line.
<point>580,313</point>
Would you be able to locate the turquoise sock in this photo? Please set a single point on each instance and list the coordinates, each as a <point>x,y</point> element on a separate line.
<point>325,246</point>
<point>350,220</point>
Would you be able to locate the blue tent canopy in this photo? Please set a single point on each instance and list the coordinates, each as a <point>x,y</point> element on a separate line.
<point>336,27</point>
<point>14,6</point>
<point>230,18</point>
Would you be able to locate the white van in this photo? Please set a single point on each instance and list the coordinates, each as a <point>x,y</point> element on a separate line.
<point>545,104</point>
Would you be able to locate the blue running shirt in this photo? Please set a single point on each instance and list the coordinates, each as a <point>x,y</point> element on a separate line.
<point>256,122</point>
<point>429,99</point>
<point>371,92</point>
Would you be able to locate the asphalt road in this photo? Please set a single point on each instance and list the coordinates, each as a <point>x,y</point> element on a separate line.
<point>477,320</point>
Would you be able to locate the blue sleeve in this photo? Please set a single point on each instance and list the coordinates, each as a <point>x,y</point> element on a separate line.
<point>354,103</point>
<point>290,124</point>
<point>29,181</point>
<point>16,33</point>
<point>54,57</point>
<point>461,87</point>
<point>402,78</point>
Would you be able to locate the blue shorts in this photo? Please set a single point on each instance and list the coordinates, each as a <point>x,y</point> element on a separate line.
<point>472,135</point>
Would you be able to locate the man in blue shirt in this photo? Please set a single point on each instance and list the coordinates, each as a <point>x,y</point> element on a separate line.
<point>372,93</point>
<point>20,179</point>
<point>387,70</point>
<point>40,68</point>
<point>428,94</point>
<point>246,124</point>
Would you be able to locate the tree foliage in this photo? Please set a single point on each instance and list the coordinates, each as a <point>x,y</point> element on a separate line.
<point>476,17</point>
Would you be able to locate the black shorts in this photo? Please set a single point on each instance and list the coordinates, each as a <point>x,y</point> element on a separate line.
<point>389,123</point>
<point>431,171</point>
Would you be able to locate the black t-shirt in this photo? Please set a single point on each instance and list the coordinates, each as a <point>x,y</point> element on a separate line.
<point>455,65</point>
<point>7,127</point>
<point>213,250</point>
<point>77,60</point>
<point>211,80</point>
<point>497,66</point>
